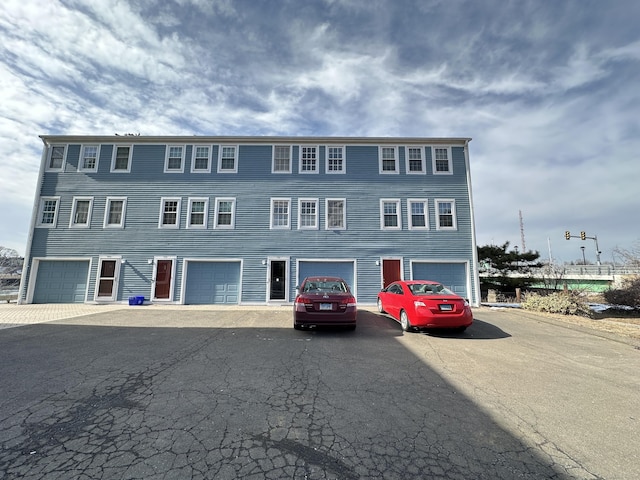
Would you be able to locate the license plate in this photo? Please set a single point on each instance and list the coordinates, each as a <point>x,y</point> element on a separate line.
<point>446,307</point>
<point>326,306</point>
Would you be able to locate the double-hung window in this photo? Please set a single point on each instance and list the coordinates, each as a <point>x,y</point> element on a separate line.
<point>228,159</point>
<point>225,213</point>
<point>121,159</point>
<point>308,159</point>
<point>390,214</point>
<point>415,160</point>
<point>308,214</point>
<point>388,160</point>
<point>89,158</point>
<point>446,214</point>
<point>198,209</point>
<point>170,212</point>
<point>55,161</point>
<point>280,213</point>
<point>174,159</point>
<point>81,212</point>
<point>441,159</point>
<point>336,214</point>
<point>114,212</point>
<point>48,213</point>
<point>281,159</point>
<point>201,161</point>
<point>417,213</point>
<point>335,160</point>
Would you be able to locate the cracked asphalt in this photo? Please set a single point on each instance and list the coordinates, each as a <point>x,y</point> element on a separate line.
<point>182,393</point>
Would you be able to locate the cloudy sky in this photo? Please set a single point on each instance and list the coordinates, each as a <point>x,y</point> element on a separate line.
<point>548,90</point>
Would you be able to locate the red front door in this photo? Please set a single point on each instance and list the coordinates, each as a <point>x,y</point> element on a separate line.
<point>163,279</point>
<point>390,272</point>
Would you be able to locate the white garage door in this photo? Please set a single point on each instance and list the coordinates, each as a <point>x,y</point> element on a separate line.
<point>210,283</point>
<point>61,281</point>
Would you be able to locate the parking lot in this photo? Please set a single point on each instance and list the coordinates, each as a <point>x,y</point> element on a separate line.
<point>185,392</point>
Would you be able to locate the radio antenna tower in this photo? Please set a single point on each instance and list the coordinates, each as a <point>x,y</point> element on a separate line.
<point>524,247</point>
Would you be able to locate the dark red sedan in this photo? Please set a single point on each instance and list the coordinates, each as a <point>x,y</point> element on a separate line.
<point>324,301</point>
<point>423,304</point>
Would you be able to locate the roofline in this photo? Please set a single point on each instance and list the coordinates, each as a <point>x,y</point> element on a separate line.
<point>258,140</point>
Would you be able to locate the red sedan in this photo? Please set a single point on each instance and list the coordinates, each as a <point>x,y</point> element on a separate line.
<point>419,304</point>
<point>324,301</point>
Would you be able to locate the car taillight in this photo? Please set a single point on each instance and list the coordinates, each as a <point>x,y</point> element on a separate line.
<point>304,301</point>
<point>348,301</point>
<point>418,303</point>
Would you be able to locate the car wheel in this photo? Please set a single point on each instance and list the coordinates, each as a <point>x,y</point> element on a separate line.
<point>404,321</point>
<point>351,327</point>
<point>380,308</point>
<point>460,329</point>
<point>297,326</point>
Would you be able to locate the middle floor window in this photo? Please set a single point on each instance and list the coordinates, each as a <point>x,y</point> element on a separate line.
<point>390,214</point>
<point>170,213</point>
<point>280,213</point>
<point>225,213</point>
<point>336,212</point>
<point>198,208</point>
<point>308,213</point>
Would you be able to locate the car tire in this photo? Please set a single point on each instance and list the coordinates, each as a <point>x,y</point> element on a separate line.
<point>351,327</point>
<point>460,329</point>
<point>380,307</point>
<point>404,322</point>
<point>297,326</point>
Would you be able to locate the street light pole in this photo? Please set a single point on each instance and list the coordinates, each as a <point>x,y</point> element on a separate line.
<point>584,260</point>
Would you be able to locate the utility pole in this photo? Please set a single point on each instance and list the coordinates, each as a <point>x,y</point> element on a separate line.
<point>524,247</point>
<point>583,236</point>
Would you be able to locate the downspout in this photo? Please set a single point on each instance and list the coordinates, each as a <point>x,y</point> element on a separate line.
<point>474,253</point>
<point>26,265</point>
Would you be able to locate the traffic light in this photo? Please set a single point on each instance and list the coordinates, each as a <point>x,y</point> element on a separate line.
<point>567,235</point>
<point>583,235</point>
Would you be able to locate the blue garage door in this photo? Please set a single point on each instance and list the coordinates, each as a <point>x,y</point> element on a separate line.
<point>212,283</point>
<point>61,281</point>
<point>333,269</point>
<point>451,275</point>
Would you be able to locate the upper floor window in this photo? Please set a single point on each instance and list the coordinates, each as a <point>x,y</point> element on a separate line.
<point>89,158</point>
<point>228,159</point>
<point>308,160</point>
<point>225,213</point>
<point>48,212</point>
<point>170,213</point>
<point>81,212</point>
<point>336,214</point>
<point>335,160</point>
<point>417,213</point>
<point>390,214</point>
<point>201,161</point>
<point>198,208</point>
<point>114,212</point>
<point>281,159</point>
<point>388,160</point>
<point>308,213</point>
<point>446,214</point>
<point>174,160</point>
<point>415,160</point>
<point>281,213</point>
<point>442,160</point>
<point>55,162</point>
<point>121,160</point>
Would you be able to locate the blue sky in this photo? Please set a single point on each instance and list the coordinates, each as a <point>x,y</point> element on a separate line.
<point>548,90</point>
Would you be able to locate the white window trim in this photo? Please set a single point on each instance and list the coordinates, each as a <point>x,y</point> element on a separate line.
<point>205,213</point>
<point>437,203</point>
<point>81,159</point>
<point>308,172</point>
<point>280,227</point>
<point>380,160</point>
<point>166,159</point>
<point>216,225</point>
<point>163,200</point>
<point>344,160</point>
<point>425,202</point>
<point>39,224</point>
<point>64,158</point>
<point>317,216</point>
<point>193,159</point>
<point>113,158</point>
<point>273,159</point>
<point>449,158</point>
<point>398,213</point>
<point>106,212</point>
<point>423,160</point>
<point>72,224</point>
<point>344,214</point>
<point>235,159</point>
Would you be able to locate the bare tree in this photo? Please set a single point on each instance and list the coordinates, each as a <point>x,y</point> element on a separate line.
<point>630,257</point>
<point>9,257</point>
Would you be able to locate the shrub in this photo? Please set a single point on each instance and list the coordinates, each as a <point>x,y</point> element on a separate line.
<point>628,295</point>
<point>565,303</point>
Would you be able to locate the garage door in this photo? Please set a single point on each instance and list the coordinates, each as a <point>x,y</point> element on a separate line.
<point>333,269</point>
<point>451,275</point>
<point>211,283</point>
<point>61,281</point>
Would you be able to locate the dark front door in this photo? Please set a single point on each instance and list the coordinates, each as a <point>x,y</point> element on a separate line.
<point>390,271</point>
<point>278,283</point>
<point>163,279</point>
